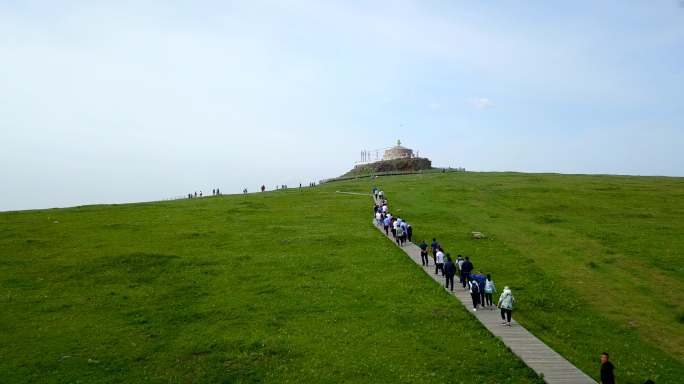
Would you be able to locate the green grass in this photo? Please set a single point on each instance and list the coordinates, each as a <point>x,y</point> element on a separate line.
<point>292,286</point>
<point>594,261</point>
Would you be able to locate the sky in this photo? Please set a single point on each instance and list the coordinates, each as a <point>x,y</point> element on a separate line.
<point>123,101</point>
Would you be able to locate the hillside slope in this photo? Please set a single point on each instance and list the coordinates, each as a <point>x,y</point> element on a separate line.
<point>287,286</point>
<point>595,262</point>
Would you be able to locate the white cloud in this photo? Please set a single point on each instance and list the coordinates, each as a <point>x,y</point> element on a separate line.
<point>481,103</point>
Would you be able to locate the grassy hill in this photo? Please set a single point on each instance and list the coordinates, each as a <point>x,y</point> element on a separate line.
<point>595,261</point>
<point>289,286</point>
<point>297,285</point>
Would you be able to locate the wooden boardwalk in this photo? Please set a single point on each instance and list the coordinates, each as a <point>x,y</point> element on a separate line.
<point>537,355</point>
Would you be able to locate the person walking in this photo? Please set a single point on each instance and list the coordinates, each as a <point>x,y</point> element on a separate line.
<point>466,268</point>
<point>506,301</point>
<point>404,227</point>
<point>481,281</point>
<point>386,224</point>
<point>489,289</point>
<point>434,245</point>
<point>423,253</point>
<point>607,376</point>
<point>474,293</point>
<point>439,261</point>
<point>399,237</point>
<point>459,264</point>
<point>378,218</point>
<point>449,271</point>
<point>409,232</point>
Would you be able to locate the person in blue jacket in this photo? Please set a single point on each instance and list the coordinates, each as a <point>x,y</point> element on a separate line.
<point>481,281</point>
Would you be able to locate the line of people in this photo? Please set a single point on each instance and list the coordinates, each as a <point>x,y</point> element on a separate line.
<point>401,231</point>
<point>214,192</point>
<point>480,286</point>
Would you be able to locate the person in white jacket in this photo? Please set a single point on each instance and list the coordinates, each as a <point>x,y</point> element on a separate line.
<point>489,289</point>
<point>506,301</point>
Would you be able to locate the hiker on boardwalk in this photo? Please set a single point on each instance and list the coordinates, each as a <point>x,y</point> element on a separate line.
<point>466,268</point>
<point>474,288</point>
<point>423,253</point>
<point>506,301</point>
<point>378,218</point>
<point>393,228</point>
<point>386,224</point>
<point>381,195</point>
<point>481,281</point>
<point>385,208</point>
<point>607,376</point>
<point>409,232</point>
<point>449,271</point>
<point>434,246</point>
<point>439,261</point>
<point>404,236</point>
<point>399,236</point>
<point>459,264</point>
<point>489,289</point>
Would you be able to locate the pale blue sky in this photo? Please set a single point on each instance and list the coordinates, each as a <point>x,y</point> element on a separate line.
<point>143,100</point>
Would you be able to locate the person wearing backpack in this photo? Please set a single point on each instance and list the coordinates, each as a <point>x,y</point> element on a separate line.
<point>489,289</point>
<point>506,301</point>
<point>399,235</point>
<point>481,281</point>
<point>449,271</point>
<point>474,293</point>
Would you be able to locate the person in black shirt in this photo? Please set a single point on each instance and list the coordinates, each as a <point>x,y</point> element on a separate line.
<point>607,368</point>
<point>423,253</point>
<point>449,271</point>
<point>466,268</point>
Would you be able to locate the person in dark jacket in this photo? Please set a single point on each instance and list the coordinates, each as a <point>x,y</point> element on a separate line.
<point>481,281</point>
<point>434,246</point>
<point>423,253</point>
<point>449,272</point>
<point>409,232</point>
<point>607,376</point>
<point>466,268</point>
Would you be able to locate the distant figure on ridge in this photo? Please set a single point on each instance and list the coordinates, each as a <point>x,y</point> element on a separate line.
<point>263,188</point>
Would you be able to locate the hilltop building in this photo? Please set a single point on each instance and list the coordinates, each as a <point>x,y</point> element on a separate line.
<point>397,152</point>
